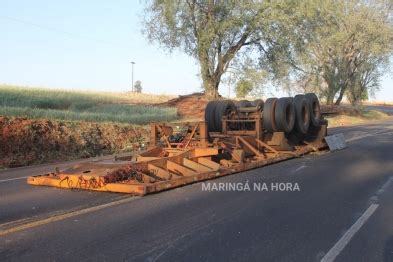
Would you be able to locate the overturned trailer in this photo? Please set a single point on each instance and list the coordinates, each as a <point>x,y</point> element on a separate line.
<point>233,138</point>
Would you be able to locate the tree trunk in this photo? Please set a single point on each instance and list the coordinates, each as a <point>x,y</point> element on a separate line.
<point>330,96</point>
<point>210,83</point>
<point>211,87</point>
<point>329,100</point>
<point>340,97</point>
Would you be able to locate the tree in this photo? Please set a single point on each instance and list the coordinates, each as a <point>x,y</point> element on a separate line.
<point>243,87</point>
<point>366,81</point>
<point>348,50</point>
<point>138,86</point>
<point>250,79</point>
<point>215,32</point>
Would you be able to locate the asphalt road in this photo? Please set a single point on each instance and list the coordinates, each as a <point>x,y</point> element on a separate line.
<point>343,210</point>
<point>386,109</point>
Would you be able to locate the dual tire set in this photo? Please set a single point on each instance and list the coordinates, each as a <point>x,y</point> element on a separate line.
<point>279,114</point>
<point>287,114</point>
<point>215,110</point>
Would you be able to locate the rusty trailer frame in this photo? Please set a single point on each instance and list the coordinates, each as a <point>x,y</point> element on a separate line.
<point>199,156</point>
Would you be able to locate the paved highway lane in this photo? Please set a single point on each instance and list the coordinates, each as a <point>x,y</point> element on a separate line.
<point>191,224</point>
<point>375,240</point>
<point>20,202</point>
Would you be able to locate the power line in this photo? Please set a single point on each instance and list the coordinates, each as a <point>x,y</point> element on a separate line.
<point>69,34</point>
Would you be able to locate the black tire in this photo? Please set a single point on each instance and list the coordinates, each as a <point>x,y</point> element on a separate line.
<point>210,115</point>
<point>315,108</point>
<point>302,109</point>
<point>269,123</point>
<point>223,108</point>
<point>258,103</point>
<point>284,114</point>
<point>243,103</point>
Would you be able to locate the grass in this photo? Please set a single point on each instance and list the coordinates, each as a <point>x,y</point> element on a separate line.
<point>39,103</point>
<point>378,103</point>
<point>363,117</point>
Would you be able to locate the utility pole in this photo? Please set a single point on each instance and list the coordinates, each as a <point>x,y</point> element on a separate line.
<point>132,75</point>
<point>229,89</point>
<point>230,80</point>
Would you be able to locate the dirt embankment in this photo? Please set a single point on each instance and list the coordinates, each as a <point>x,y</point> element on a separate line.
<point>341,110</point>
<point>26,141</point>
<point>189,106</point>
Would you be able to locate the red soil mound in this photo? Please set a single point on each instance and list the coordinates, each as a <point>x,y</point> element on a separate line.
<point>189,106</point>
<point>27,141</point>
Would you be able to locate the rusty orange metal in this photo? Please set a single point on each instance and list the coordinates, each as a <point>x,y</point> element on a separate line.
<point>169,164</point>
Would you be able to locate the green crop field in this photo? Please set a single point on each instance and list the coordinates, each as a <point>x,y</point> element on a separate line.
<point>41,103</point>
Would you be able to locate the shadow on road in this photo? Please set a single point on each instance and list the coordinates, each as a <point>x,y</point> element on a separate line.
<point>388,250</point>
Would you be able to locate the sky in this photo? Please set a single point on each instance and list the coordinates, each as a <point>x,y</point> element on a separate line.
<point>88,45</point>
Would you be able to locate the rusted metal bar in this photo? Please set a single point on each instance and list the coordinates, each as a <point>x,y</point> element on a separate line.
<point>191,136</point>
<point>249,146</point>
<point>266,146</point>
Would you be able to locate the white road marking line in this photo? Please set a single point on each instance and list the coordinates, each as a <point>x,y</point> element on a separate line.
<point>67,215</point>
<point>360,137</point>
<point>384,132</point>
<point>344,240</point>
<point>299,168</point>
<point>13,222</point>
<point>11,179</point>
